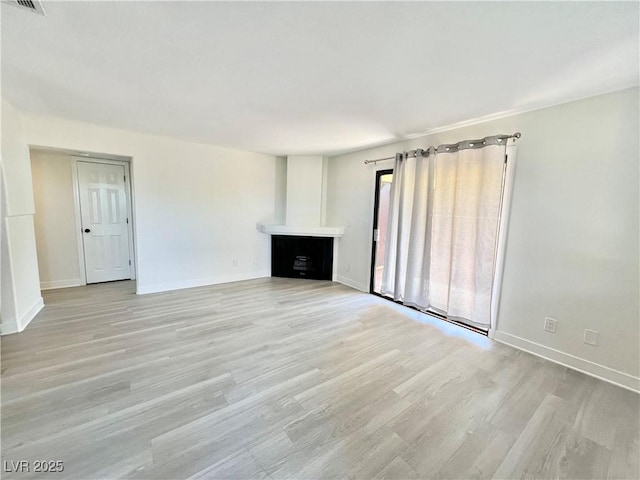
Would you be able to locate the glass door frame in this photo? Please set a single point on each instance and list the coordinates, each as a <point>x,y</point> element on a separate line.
<point>374,242</point>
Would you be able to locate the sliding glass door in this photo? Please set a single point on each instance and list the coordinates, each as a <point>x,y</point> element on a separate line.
<point>436,225</point>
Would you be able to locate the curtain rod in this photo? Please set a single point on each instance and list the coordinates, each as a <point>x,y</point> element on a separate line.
<point>515,135</point>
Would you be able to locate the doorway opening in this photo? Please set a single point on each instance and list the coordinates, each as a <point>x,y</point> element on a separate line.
<point>84,221</point>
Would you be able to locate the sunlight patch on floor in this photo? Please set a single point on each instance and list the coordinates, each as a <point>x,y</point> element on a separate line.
<point>447,328</point>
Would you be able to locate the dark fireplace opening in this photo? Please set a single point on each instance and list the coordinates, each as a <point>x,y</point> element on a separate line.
<point>301,257</point>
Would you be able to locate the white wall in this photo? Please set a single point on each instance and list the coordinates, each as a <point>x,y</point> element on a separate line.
<point>573,245</point>
<point>23,265</point>
<point>3,239</point>
<point>304,190</point>
<point>20,290</point>
<point>8,321</point>
<point>195,206</point>
<point>17,169</point>
<point>55,223</point>
<point>281,191</point>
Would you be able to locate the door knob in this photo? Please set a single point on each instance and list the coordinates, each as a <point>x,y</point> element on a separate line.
<point>87,230</point>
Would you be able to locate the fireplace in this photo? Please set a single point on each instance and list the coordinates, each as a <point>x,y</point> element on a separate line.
<point>301,257</point>
<point>302,245</point>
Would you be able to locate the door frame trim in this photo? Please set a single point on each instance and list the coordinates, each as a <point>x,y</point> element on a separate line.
<point>78,216</point>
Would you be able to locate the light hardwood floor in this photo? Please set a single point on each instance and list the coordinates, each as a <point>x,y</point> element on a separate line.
<point>278,378</point>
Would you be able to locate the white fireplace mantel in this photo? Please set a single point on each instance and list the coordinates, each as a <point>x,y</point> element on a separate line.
<point>301,231</point>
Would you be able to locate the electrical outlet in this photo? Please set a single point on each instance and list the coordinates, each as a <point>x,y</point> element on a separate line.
<point>235,263</point>
<point>348,268</point>
<point>590,337</point>
<point>550,324</point>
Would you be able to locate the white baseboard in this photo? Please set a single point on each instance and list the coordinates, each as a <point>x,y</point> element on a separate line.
<point>72,282</point>
<point>24,320</point>
<point>8,329</point>
<point>587,367</point>
<point>142,289</point>
<point>352,283</point>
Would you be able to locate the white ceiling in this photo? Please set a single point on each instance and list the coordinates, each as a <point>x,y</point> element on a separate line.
<point>287,78</point>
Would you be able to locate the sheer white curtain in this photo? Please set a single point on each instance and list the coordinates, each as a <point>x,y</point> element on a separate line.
<point>443,227</point>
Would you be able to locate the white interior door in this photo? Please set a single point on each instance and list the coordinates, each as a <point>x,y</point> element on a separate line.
<point>105,233</point>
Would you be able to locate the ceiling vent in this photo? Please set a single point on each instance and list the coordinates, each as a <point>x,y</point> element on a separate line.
<point>34,6</point>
